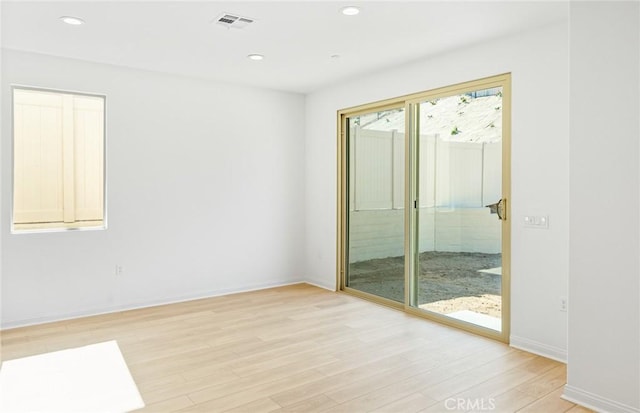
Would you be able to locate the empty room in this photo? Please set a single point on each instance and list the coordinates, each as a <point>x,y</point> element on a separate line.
<point>320,206</point>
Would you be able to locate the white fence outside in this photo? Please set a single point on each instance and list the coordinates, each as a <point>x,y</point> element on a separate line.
<point>452,174</point>
<point>456,181</point>
<point>380,233</point>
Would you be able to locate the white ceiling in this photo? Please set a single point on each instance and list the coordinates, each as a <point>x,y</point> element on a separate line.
<point>298,38</point>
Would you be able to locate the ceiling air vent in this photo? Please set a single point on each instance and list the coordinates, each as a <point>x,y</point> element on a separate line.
<point>233,20</point>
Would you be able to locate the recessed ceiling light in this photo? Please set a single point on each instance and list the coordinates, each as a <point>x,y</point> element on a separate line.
<point>350,10</point>
<point>74,21</point>
<point>255,56</point>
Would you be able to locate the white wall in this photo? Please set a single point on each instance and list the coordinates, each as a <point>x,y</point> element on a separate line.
<point>604,278</point>
<point>202,178</point>
<point>380,233</point>
<point>538,61</point>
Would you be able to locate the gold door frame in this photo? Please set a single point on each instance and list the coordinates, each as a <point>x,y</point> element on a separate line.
<point>410,104</point>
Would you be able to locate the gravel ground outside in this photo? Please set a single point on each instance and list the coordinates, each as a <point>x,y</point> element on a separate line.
<point>447,281</point>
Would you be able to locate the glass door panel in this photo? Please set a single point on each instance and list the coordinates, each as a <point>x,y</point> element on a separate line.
<point>458,156</point>
<point>375,222</point>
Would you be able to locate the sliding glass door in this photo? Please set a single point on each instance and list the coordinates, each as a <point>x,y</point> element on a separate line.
<point>423,204</point>
<point>376,145</point>
<point>460,210</point>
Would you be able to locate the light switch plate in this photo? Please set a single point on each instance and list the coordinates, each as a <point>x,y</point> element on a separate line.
<point>536,221</point>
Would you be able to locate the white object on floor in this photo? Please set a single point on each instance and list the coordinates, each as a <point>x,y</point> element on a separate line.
<point>478,319</point>
<point>494,271</point>
<point>89,379</point>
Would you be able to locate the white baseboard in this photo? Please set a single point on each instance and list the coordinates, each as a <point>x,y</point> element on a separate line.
<point>143,304</point>
<point>321,285</point>
<point>595,402</point>
<point>541,349</point>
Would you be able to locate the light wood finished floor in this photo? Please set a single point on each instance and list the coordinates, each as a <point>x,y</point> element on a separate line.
<point>303,349</point>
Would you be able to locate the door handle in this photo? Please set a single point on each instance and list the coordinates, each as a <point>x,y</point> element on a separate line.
<point>502,209</point>
<point>499,208</point>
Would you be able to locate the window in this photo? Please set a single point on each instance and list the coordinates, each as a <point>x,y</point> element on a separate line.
<point>58,160</point>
